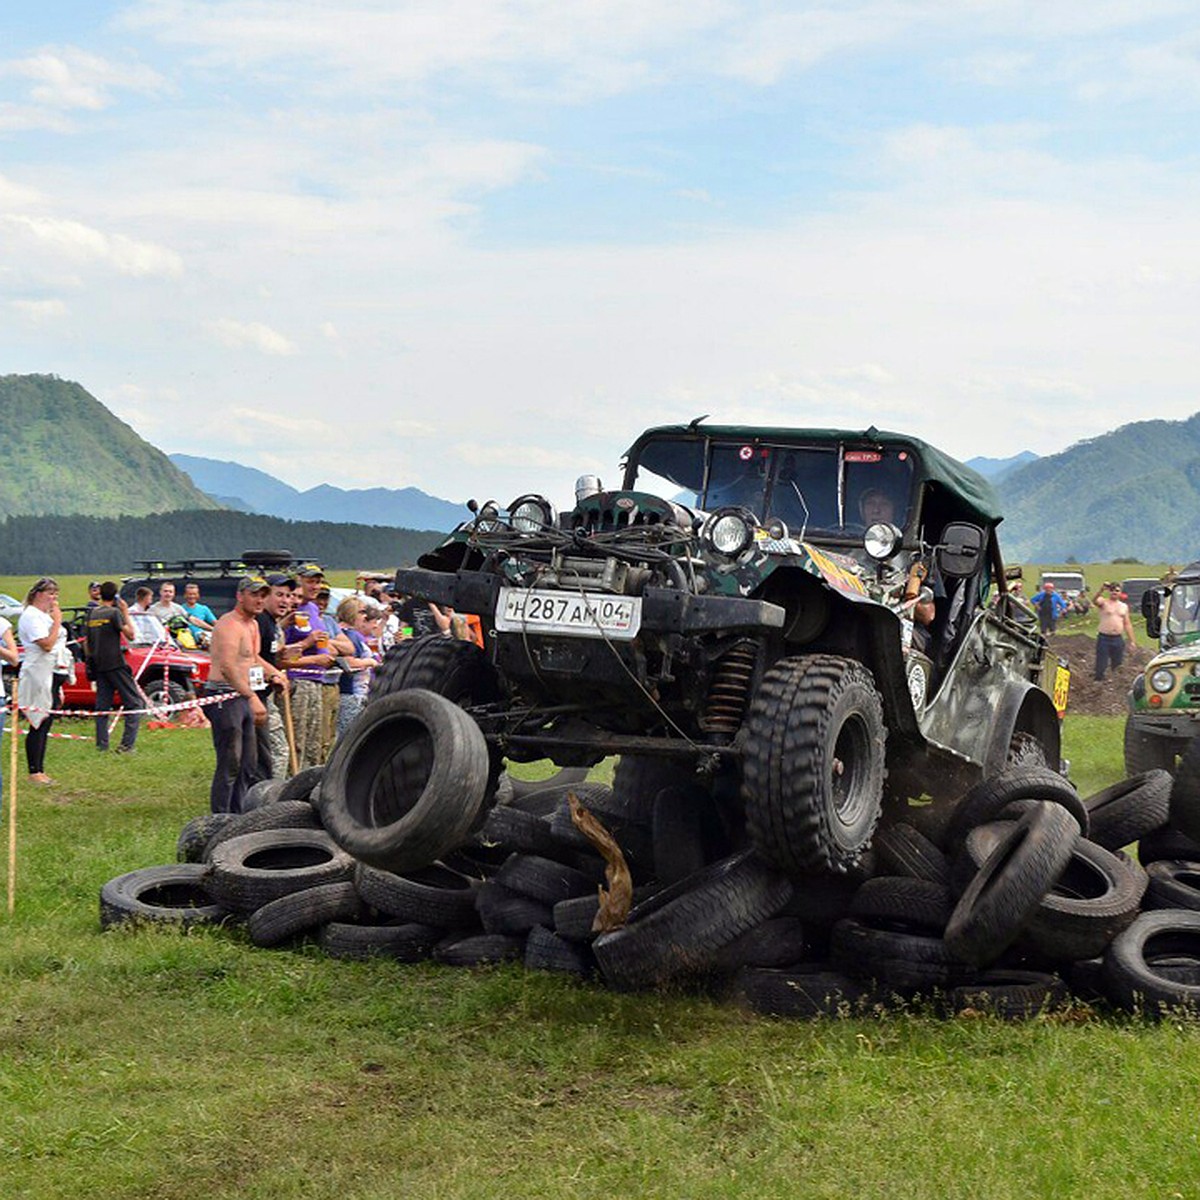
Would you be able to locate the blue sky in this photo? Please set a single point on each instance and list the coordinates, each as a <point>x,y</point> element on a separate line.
<point>476,246</point>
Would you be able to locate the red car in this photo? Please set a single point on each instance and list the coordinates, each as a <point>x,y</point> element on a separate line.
<point>166,673</point>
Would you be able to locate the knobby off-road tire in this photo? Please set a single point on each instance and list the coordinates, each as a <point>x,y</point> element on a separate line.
<point>178,895</point>
<point>407,782</point>
<point>196,834</point>
<point>813,765</point>
<point>455,669</point>
<point>1148,752</point>
<point>682,929</point>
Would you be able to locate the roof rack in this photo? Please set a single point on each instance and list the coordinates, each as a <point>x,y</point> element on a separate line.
<point>249,561</point>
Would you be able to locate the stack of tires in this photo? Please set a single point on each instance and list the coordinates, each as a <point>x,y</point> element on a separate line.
<point>411,844</point>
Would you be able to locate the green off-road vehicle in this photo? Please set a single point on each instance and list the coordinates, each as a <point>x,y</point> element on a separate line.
<point>734,616</point>
<point>1164,701</point>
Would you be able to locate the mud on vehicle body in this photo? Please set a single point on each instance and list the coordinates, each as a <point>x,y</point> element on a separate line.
<point>1164,701</point>
<point>754,629</point>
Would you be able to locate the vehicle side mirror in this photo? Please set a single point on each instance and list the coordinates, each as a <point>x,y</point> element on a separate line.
<point>1152,611</point>
<point>961,550</point>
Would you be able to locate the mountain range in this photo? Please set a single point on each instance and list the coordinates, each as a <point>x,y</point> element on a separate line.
<point>996,469</point>
<point>63,452</point>
<point>251,490</point>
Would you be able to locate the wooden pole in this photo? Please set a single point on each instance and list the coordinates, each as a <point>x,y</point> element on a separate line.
<point>14,734</point>
<point>290,729</point>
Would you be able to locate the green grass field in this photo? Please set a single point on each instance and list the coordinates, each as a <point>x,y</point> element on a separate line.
<point>150,1064</point>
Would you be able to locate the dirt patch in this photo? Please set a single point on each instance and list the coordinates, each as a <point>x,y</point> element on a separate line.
<point>1089,697</point>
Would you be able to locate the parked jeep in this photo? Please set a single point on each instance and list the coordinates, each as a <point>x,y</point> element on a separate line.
<point>217,577</point>
<point>1164,701</point>
<point>752,630</point>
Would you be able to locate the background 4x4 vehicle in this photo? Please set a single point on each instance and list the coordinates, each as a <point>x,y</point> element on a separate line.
<point>751,633</point>
<point>1164,701</point>
<point>216,577</point>
<point>166,674</point>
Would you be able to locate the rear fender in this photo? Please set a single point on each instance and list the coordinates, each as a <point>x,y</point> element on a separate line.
<point>1023,708</point>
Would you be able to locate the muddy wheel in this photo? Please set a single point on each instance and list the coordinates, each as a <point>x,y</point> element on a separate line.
<point>813,766</point>
<point>1148,752</point>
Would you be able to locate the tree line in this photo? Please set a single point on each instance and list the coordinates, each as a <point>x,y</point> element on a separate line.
<point>75,545</point>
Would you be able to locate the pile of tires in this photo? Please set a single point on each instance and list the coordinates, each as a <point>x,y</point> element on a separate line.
<point>1017,898</point>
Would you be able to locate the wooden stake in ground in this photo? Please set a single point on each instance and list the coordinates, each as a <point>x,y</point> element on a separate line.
<point>14,734</point>
<point>289,729</point>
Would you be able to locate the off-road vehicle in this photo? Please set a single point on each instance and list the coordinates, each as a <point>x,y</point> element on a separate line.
<point>736,611</point>
<point>217,577</point>
<point>1164,701</point>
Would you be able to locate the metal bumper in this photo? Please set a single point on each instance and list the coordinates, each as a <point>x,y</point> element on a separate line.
<point>664,610</point>
<point>1166,724</point>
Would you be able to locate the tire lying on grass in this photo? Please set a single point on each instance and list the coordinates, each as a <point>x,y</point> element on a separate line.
<point>289,814</point>
<point>432,895</point>
<point>301,911</point>
<point>1145,968</point>
<point>399,940</point>
<point>681,929</point>
<point>178,895</point>
<point>407,781</point>
<point>196,834</point>
<point>256,868</point>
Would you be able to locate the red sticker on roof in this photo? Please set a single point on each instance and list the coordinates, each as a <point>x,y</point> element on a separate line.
<point>858,456</point>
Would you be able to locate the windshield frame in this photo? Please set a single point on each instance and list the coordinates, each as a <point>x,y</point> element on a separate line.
<point>773,451</point>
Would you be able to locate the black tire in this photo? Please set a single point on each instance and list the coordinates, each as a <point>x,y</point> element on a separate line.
<point>302,785</point>
<point>776,942</point>
<point>450,667</point>
<point>820,900</point>
<point>1174,883</point>
<point>179,895</point>
<point>637,780</point>
<point>267,558</point>
<point>598,799</point>
<point>517,832</point>
<point>479,950</point>
<point>987,800</point>
<point>295,814</point>
<point>634,839</point>
<point>299,912</point>
<point>1024,752</point>
<point>677,832</point>
<point>529,795</point>
<point>546,951</point>
<point>265,791</point>
<point>1127,811</point>
<point>256,868</point>
<point>500,910</point>
<point>681,929</point>
<point>1149,752</point>
<point>1009,994</point>
<point>573,919</point>
<point>1185,792</point>
<point>903,850</point>
<point>543,879</point>
<point>406,782</point>
<point>397,940</point>
<point>919,903</point>
<point>898,958</point>
<point>196,834</point>
<point>1003,897</point>
<point>813,765</point>
<point>805,991</point>
<point>1132,975</point>
<point>1166,842</point>
<point>433,895</point>
<point>1095,897</point>
<point>159,692</point>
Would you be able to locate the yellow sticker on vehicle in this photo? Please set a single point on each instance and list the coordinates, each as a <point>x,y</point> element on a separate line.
<point>1062,686</point>
<point>835,575</point>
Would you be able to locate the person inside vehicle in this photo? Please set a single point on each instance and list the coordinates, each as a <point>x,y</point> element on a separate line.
<point>876,506</point>
<point>142,600</point>
<point>166,609</point>
<point>200,617</point>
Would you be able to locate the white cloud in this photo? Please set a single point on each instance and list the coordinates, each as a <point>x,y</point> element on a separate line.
<point>76,241</point>
<point>40,310</point>
<point>21,118</point>
<point>70,78</point>
<point>253,334</point>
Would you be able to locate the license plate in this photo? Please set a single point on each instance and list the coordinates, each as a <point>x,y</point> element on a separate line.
<point>570,613</point>
<point>1062,688</point>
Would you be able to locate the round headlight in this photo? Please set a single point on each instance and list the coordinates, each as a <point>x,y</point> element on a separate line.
<point>487,518</point>
<point>880,540</point>
<point>531,514</point>
<point>729,532</point>
<point>1162,680</point>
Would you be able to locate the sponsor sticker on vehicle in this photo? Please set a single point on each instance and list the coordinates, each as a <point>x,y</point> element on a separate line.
<point>1062,686</point>
<point>574,614</point>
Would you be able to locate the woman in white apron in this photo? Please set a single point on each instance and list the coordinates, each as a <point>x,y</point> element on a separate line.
<point>39,629</point>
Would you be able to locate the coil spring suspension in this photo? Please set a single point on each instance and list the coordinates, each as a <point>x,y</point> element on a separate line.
<point>730,689</point>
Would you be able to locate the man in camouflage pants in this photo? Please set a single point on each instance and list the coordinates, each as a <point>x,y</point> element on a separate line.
<point>309,661</point>
<point>273,757</point>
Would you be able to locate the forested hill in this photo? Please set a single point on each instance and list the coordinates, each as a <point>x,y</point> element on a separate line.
<point>86,545</point>
<point>1133,493</point>
<point>63,452</point>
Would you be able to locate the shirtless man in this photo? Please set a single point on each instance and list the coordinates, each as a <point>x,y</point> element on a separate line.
<point>1116,629</point>
<point>238,669</point>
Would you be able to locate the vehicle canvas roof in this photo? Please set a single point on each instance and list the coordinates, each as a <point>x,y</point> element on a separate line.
<point>971,488</point>
<point>1188,574</point>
